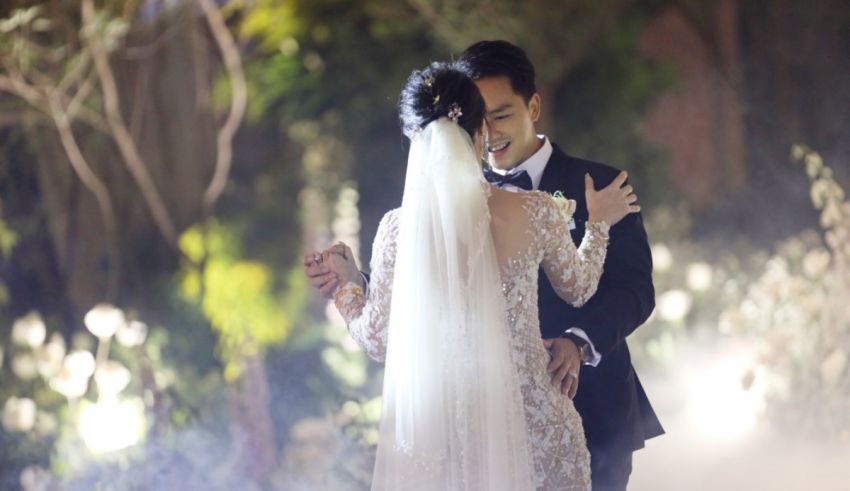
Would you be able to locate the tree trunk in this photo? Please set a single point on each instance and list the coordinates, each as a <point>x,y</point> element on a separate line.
<point>251,428</point>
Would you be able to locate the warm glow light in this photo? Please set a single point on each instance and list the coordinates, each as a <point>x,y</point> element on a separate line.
<point>111,378</point>
<point>662,258</point>
<point>111,424</point>
<point>132,334</point>
<point>80,363</point>
<point>719,406</point>
<point>29,330</point>
<point>674,305</point>
<point>104,320</point>
<point>699,276</point>
<point>49,357</point>
<point>19,414</point>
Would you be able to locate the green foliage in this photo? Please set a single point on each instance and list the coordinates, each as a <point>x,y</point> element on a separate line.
<point>601,103</point>
<point>8,237</point>
<point>238,296</point>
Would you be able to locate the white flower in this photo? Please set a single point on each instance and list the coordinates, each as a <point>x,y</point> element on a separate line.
<point>132,334</point>
<point>104,320</point>
<point>35,478</point>
<point>80,363</point>
<point>662,258</point>
<point>699,276</point>
<point>45,423</point>
<point>111,378</point>
<point>832,368</point>
<point>29,330</point>
<point>674,305</point>
<point>49,357</point>
<point>816,263</point>
<point>69,384</point>
<point>731,321</point>
<point>567,206</point>
<point>24,366</point>
<point>19,414</point>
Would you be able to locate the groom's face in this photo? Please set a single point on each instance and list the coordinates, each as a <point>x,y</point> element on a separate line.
<point>509,128</point>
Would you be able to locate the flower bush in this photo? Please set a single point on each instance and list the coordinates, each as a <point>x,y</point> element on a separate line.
<point>789,307</point>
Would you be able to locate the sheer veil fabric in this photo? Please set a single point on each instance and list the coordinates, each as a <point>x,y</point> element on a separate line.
<point>453,416</point>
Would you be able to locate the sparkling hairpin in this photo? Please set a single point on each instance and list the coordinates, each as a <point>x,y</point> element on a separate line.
<point>454,112</point>
<point>436,99</point>
<point>429,81</point>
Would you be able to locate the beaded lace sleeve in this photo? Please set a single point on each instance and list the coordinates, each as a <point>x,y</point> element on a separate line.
<point>368,314</point>
<point>573,272</point>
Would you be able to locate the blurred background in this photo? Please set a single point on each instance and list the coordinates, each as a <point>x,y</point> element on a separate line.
<point>165,164</point>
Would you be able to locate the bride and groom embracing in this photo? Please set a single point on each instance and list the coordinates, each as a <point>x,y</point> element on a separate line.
<point>483,306</point>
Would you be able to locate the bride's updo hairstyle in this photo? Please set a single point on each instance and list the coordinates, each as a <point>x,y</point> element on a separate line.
<point>436,91</point>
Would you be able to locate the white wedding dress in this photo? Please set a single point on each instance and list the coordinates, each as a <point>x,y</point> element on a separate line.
<point>539,438</point>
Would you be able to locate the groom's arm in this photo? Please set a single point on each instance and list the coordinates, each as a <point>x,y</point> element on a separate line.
<point>626,296</point>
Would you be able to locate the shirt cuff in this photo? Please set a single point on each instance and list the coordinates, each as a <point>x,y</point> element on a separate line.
<point>365,283</point>
<point>591,356</point>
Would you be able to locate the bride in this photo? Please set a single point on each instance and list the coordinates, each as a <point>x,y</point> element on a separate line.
<point>451,307</point>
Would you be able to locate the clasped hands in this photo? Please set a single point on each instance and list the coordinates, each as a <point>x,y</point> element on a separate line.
<point>331,269</point>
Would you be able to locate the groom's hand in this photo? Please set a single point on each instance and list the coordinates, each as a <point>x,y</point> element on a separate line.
<point>321,277</point>
<point>564,365</point>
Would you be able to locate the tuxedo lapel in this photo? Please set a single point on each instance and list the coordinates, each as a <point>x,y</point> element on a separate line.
<point>566,174</point>
<point>555,173</point>
<point>563,173</point>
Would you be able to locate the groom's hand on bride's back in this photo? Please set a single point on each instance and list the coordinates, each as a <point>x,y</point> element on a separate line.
<point>564,364</point>
<point>320,276</point>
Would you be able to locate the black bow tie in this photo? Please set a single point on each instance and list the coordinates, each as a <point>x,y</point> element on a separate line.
<point>519,179</point>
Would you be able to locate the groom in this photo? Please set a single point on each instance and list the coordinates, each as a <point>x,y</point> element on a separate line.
<point>615,411</point>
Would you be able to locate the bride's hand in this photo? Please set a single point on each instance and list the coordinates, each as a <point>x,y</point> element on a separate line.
<point>611,203</point>
<point>340,260</point>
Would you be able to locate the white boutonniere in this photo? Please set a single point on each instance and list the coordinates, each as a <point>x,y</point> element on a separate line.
<point>567,206</point>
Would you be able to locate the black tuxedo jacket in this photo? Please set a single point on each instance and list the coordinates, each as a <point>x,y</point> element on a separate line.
<point>616,413</point>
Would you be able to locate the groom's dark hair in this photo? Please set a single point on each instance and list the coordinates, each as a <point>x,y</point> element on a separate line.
<point>499,58</point>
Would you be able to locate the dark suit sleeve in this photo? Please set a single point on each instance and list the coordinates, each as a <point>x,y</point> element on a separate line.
<point>625,296</point>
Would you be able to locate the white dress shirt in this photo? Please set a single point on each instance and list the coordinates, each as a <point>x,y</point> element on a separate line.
<point>534,166</point>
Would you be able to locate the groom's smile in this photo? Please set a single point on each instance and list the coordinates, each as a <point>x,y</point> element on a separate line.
<point>498,150</point>
<point>510,134</point>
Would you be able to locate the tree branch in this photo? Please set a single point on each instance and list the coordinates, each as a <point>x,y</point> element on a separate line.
<point>23,90</point>
<point>224,141</point>
<point>424,8</point>
<point>93,184</point>
<point>76,102</point>
<point>126,146</point>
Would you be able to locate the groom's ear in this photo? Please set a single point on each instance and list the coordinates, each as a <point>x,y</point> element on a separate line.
<point>534,106</point>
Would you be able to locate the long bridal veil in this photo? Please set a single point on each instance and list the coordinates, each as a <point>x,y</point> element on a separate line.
<point>452,416</point>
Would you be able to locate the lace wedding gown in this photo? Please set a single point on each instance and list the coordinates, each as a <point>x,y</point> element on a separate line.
<point>529,230</point>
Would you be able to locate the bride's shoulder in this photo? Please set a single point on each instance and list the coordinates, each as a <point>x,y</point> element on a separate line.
<point>537,200</point>
<point>527,201</point>
<point>544,206</point>
<point>537,196</point>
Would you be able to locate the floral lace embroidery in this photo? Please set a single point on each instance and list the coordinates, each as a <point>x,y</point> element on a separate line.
<point>559,450</point>
<point>558,447</point>
<point>368,316</point>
